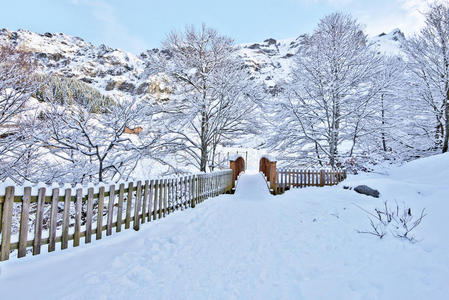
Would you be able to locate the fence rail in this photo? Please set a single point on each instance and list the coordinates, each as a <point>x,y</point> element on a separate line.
<point>60,217</point>
<point>295,178</point>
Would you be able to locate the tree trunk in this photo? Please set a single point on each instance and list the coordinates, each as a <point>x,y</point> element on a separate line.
<point>100,171</point>
<point>203,160</point>
<point>446,121</point>
<point>384,142</point>
<point>318,154</point>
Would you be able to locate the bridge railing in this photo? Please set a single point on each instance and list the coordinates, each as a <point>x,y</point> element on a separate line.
<point>51,216</point>
<point>299,178</point>
<point>237,165</point>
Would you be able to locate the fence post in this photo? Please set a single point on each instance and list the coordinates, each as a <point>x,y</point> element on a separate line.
<point>24,219</point>
<point>6,223</point>
<point>192,184</point>
<point>322,178</point>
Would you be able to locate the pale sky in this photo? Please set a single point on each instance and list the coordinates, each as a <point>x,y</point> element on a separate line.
<point>136,25</point>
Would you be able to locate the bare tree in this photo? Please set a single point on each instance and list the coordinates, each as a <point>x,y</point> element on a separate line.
<point>428,61</point>
<point>18,81</point>
<point>211,98</point>
<point>329,99</point>
<point>86,146</point>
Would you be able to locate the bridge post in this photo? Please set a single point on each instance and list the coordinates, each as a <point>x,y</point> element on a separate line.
<point>233,168</point>
<point>237,166</point>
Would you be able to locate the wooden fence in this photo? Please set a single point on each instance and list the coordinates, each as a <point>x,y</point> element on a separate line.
<point>61,216</point>
<point>294,178</point>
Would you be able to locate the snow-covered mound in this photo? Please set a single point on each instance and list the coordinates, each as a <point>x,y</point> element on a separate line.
<point>303,244</point>
<point>430,170</point>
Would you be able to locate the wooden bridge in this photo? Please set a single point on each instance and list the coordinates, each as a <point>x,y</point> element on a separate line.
<point>280,180</point>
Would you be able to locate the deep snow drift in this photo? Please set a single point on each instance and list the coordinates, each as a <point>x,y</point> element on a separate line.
<point>251,245</point>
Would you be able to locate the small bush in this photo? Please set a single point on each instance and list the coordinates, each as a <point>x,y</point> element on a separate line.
<point>399,221</point>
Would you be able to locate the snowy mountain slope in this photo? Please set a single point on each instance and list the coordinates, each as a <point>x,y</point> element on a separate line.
<point>118,73</point>
<point>112,71</point>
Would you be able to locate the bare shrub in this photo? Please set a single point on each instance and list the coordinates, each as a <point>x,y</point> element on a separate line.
<point>399,221</point>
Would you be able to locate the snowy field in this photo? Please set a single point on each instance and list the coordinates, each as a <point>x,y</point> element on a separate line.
<point>303,244</point>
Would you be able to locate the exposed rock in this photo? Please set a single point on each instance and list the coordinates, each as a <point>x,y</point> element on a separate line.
<point>87,80</point>
<point>110,85</point>
<point>366,190</point>
<point>41,55</point>
<point>56,56</point>
<point>143,88</point>
<point>126,87</point>
<point>48,34</point>
<point>288,55</point>
<point>254,46</point>
<point>270,41</point>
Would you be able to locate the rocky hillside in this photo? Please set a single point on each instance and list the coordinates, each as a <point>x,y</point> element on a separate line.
<point>118,73</point>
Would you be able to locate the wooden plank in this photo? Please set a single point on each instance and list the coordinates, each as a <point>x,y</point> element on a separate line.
<point>174,195</point>
<point>137,206</point>
<point>110,209</point>
<point>6,223</point>
<point>129,201</point>
<point>200,188</point>
<point>199,184</point>
<point>121,195</point>
<point>53,220</point>
<point>192,191</point>
<point>145,200</point>
<point>165,197</point>
<point>24,218</point>
<point>289,178</point>
<point>66,219</point>
<point>39,221</point>
<point>1,213</point>
<point>100,213</point>
<point>169,195</point>
<point>174,198</point>
<point>156,197</point>
<point>78,203</point>
<point>90,204</point>
<point>150,200</point>
<point>285,179</point>
<point>190,195</point>
<point>298,178</point>
<point>206,187</point>
<point>161,195</point>
<point>183,192</point>
<point>281,173</point>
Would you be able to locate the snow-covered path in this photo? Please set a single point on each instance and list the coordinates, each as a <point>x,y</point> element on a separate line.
<point>252,186</point>
<point>252,245</point>
<point>227,247</point>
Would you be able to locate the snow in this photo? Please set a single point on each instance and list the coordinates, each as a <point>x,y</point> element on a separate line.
<point>389,43</point>
<point>303,244</point>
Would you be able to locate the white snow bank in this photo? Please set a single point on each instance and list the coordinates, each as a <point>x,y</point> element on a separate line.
<point>300,245</point>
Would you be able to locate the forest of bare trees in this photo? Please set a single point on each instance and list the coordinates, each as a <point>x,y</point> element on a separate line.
<point>344,104</point>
